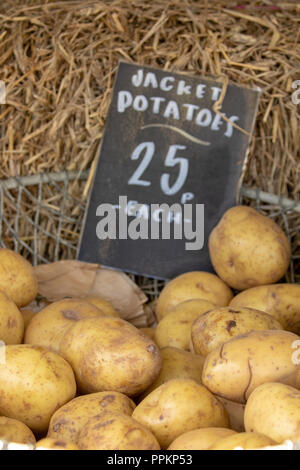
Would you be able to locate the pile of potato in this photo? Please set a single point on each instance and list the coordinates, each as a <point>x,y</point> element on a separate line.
<point>218,372</point>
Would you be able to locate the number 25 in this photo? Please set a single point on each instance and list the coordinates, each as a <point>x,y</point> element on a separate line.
<point>170,161</point>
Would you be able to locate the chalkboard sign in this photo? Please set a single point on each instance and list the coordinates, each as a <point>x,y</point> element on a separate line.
<point>168,169</point>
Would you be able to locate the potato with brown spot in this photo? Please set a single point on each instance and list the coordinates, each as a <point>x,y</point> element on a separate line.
<point>179,406</point>
<point>248,249</point>
<point>17,278</point>
<point>34,383</point>
<point>282,301</point>
<point>116,431</point>
<point>236,368</point>
<point>110,354</point>
<point>105,306</point>
<point>193,285</point>
<point>175,328</point>
<point>273,409</point>
<point>11,321</point>
<point>217,326</point>
<point>13,430</point>
<point>68,420</point>
<point>244,440</point>
<point>54,444</point>
<point>177,364</point>
<point>199,439</point>
<point>49,325</point>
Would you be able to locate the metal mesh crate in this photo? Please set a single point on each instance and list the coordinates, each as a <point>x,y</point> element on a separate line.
<point>41,218</point>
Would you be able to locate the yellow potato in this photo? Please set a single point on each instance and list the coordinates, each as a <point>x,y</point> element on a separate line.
<point>274,410</point>
<point>116,431</point>
<point>248,249</point>
<point>17,278</point>
<point>13,430</point>
<point>68,420</point>
<point>34,383</point>
<point>11,321</point>
<point>236,368</point>
<point>54,444</point>
<point>235,412</point>
<point>244,440</point>
<point>27,315</point>
<point>199,439</point>
<point>179,406</point>
<point>177,364</point>
<point>193,285</point>
<point>282,301</point>
<point>150,332</point>
<point>105,306</point>
<point>191,347</point>
<point>111,354</point>
<point>216,327</point>
<point>49,325</point>
<point>175,328</point>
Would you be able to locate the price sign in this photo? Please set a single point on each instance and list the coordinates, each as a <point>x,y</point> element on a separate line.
<point>168,169</point>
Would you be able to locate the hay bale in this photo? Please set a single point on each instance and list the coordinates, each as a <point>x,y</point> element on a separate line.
<point>59,61</point>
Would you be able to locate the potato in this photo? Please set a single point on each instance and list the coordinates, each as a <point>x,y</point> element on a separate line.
<point>13,430</point>
<point>179,406</point>
<point>150,332</point>
<point>50,324</point>
<point>274,410</point>
<point>175,328</point>
<point>177,364</point>
<point>34,383</point>
<point>17,278</point>
<point>191,347</point>
<point>282,301</point>
<point>111,354</point>
<point>216,327</point>
<point>248,249</point>
<point>27,315</point>
<point>235,413</point>
<point>11,321</point>
<point>105,306</point>
<point>199,439</point>
<point>236,368</point>
<point>116,431</point>
<point>244,440</point>
<point>68,420</point>
<point>192,285</point>
<point>53,444</point>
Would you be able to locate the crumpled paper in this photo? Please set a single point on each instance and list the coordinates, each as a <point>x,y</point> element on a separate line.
<point>78,279</point>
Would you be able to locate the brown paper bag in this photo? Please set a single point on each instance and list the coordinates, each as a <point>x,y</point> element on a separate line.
<point>78,279</point>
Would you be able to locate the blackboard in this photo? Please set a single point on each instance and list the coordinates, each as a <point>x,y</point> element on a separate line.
<point>164,143</point>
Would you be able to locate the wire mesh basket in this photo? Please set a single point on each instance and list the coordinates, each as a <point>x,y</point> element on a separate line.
<point>41,218</point>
